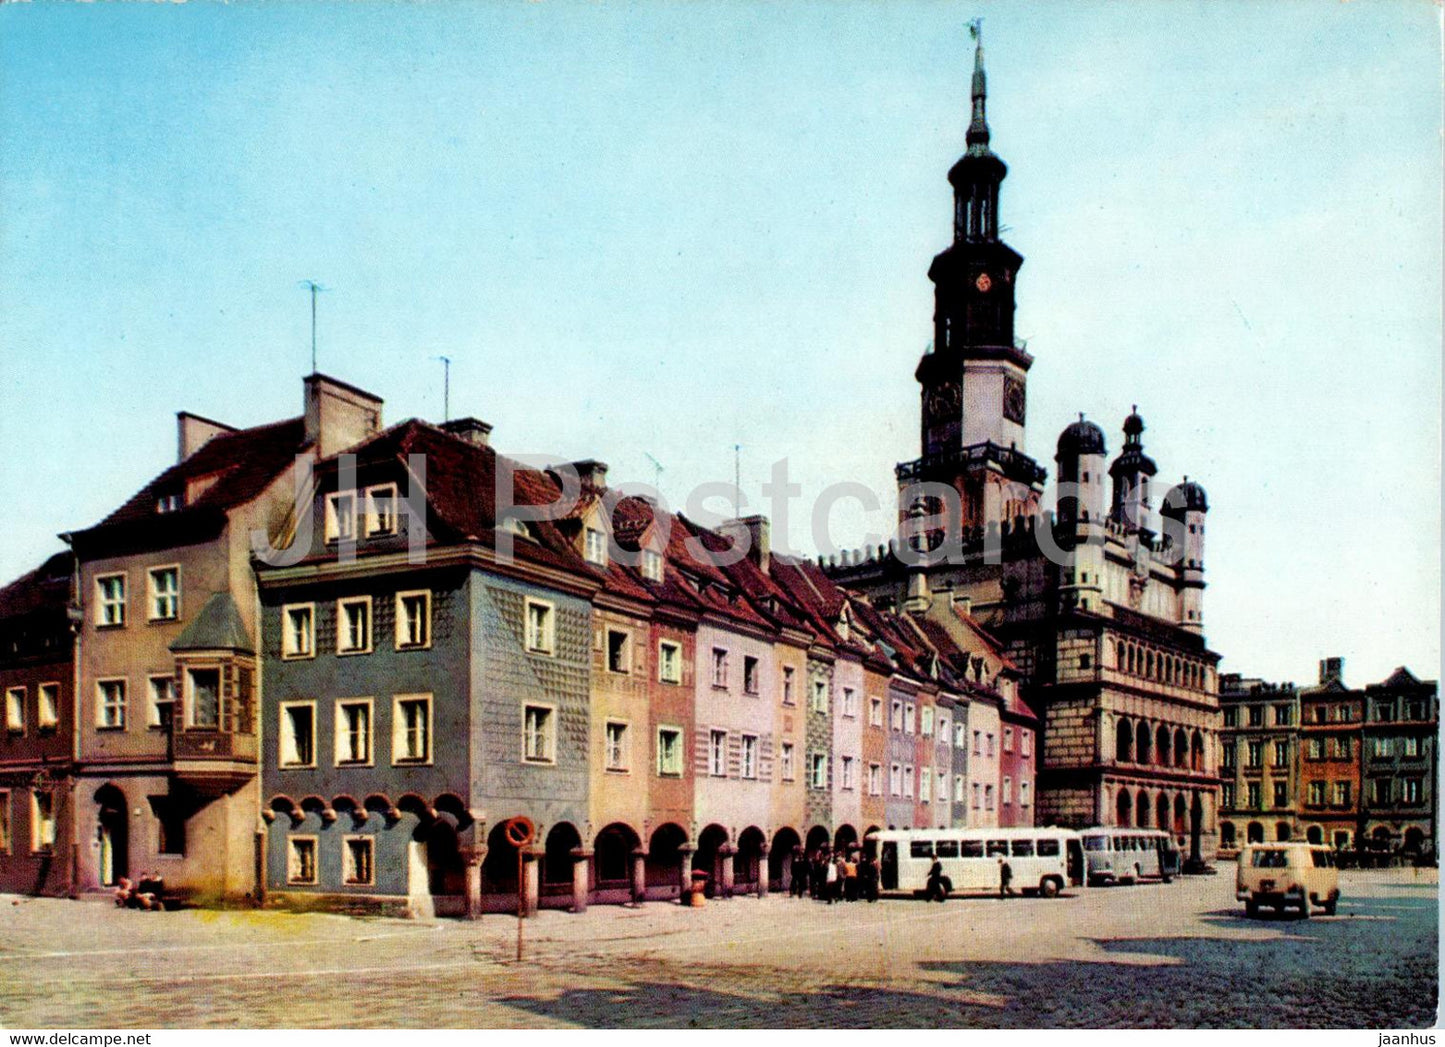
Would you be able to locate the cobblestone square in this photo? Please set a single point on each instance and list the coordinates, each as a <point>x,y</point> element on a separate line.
<point>1155,955</point>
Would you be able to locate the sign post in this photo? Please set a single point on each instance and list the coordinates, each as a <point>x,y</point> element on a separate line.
<point>520,833</point>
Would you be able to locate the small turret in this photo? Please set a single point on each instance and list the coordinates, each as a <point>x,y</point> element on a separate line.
<point>1080,514</point>
<point>1131,473</point>
<point>1185,506</point>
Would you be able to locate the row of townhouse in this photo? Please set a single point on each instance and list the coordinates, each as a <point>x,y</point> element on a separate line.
<point>324,662</point>
<point>1354,768</point>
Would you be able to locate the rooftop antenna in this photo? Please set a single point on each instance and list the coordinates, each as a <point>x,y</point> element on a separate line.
<point>314,287</point>
<point>738,479</point>
<point>656,472</point>
<point>446,387</point>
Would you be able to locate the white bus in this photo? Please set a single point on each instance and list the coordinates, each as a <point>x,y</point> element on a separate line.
<point>1042,861</point>
<point>1130,855</point>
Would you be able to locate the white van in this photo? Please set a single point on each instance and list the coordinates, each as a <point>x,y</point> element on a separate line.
<point>1284,875</point>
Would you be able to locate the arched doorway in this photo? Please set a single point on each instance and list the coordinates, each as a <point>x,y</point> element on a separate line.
<point>1226,834</point>
<point>1161,746</point>
<point>612,856</point>
<point>113,833</point>
<point>1254,833</point>
<point>1124,742</point>
<point>1414,839</point>
<point>1181,810</point>
<point>1181,747</point>
<point>747,863</point>
<point>845,839</point>
<point>817,840</point>
<point>710,844</point>
<point>1380,838</point>
<point>446,874</point>
<point>1124,810</point>
<point>1314,834</point>
<point>1282,832</point>
<point>780,857</point>
<point>663,864</point>
<point>557,859</point>
<point>499,868</point>
<point>1161,811</point>
<point>1141,807</point>
<point>1196,752</point>
<point>1142,743</point>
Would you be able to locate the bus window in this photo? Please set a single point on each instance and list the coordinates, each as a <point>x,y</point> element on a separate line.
<point>1116,843</point>
<point>997,848</point>
<point>920,849</point>
<point>1273,859</point>
<point>972,848</point>
<point>1096,843</point>
<point>946,849</point>
<point>1321,858</point>
<point>1023,848</point>
<point>1048,848</point>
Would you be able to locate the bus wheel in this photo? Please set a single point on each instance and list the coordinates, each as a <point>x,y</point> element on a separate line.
<point>1304,908</point>
<point>1332,904</point>
<point>1048,887</point>
<point>1251,908</point>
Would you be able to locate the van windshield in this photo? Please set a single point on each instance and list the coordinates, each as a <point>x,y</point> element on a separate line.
<point>1271,859</point>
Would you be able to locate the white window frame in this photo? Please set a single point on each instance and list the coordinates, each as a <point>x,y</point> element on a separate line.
<point>547,756</point>
<point>875,779</point>
<point>342,734</point>
<point>895,721</point>
<point>110,612</point>
<point>541,640</point>
<point>789,678</point>
<point>1023,792</point>
<point>748,757</point>
<point>925,784</point>
<point>960,735</point>
<point>39,844</point>
<point>846,772</point>
<point>895,779</point>
<point>717,753</point>
<point>988,749</point>
<point>342,630</point>
<point>399,730</point>
<point>910,718</point>
<point>669,669</point>
<point>786,770</point>
<point>1008,739</point>
<point>875,711</point>
<point>153,717</point>
<point>752,681</point>
<point>652,565</point>
<point>960,791</point>
<point>333,531</point>
<point>289,650</point>
<point>285,733</point>
<point>1006,796</point>
<point>294,863</point>
<point>376,523</point>
<point>977,796</point>
<point>47,706</point>
<point>594,546</point>
<point>349,873</point>
<point>403,642</point>
<point>619,762</point>
<point>153,595</point>
<point>988,796</point>
<point>719,667</point>
<point>978,743</point>
<point>945,730</point>
<point>678,760</point>
<point>908,781</point>
<point>850,703</point>
<point>1026,742</point>
<point>15,709</point>
<point>925,721</point>
<point>101,704</point>
<point>624,655</point>
<point>818,697</point>
<point>817,770</point>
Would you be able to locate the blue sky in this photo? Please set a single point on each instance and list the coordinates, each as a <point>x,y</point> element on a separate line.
<point>664,229</point>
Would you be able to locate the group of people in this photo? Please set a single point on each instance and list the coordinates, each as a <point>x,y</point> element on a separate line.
<point>844,876</point>
<point>147,893</point>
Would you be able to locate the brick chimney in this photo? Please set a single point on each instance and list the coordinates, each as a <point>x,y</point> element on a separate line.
<point>473,430</point>
<point>193,432</point>
<point>760,537</point>
<point>592,473</point>
<point>339,416</point>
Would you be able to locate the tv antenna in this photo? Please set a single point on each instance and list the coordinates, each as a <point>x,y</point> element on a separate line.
<point>738,479</point>
<point>656,472</point>
<point>314,288</point>
<point>446,387</point>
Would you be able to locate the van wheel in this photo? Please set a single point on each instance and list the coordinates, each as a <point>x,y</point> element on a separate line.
<point>1251,908</point>
<point>1048,887</point>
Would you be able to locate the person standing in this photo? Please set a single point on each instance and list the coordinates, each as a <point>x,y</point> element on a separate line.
<point>1005,877</point>
<point>850,878</point>
<point>830,880</point>
<point>934,889</point>
<point>799,887</point>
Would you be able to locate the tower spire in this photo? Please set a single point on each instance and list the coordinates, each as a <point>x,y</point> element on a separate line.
<point>978,128</point>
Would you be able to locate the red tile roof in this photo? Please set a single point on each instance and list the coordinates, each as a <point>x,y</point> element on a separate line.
<point>47,588</point>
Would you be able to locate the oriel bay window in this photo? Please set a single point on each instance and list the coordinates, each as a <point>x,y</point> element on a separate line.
<point>203,697</point>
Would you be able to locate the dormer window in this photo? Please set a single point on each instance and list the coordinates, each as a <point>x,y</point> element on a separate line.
<point>652,565</point>
<point>341,517</point>
<point>168,503</point>
<point>595,547</point>
<point>521,528</point>
<point>381,509</point>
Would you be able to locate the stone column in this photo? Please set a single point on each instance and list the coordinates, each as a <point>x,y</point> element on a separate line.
<point>531,881</point>
<point>725,859</point>
<point>639,876</point>
<point>763,872</point>
<point>473,857</point>
<point>685,870</point>
<point>581,867</point>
